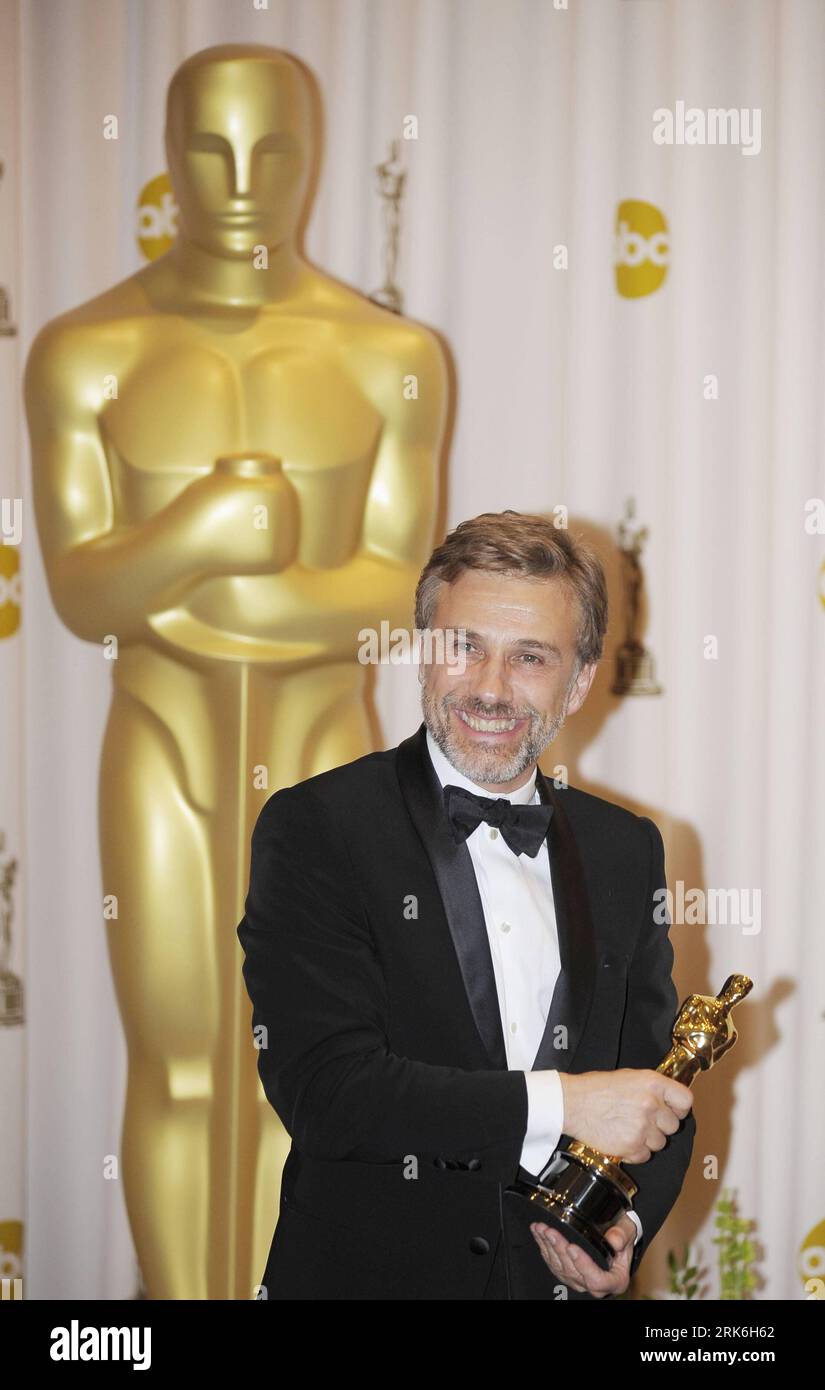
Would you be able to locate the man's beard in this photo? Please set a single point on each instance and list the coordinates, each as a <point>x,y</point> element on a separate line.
<point>492,764</point>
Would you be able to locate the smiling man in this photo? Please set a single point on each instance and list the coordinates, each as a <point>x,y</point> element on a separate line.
<point>454,965</point>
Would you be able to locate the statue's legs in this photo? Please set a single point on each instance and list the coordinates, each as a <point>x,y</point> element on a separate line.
<point>202,1150</point>
<point>156,860</point>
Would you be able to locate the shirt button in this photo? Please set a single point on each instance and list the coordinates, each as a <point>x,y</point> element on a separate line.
<point>505,926</point>
<point>493,833</point>
<point>513,1027</point>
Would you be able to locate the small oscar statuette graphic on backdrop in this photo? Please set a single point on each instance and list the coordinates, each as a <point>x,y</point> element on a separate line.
<point>583,1192</point>
<point>635,669</point>
<point>391,180</point>
<point>11,986</point>
<point>7,328</point>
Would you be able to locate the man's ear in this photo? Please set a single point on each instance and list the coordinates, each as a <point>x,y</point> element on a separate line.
<point>580,686</point>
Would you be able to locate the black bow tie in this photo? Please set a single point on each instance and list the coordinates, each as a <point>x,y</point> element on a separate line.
<point>523,828</point>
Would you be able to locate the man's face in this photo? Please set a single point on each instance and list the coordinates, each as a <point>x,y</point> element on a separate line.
<point>494,719</point>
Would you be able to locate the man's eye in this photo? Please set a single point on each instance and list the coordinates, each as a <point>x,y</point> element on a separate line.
<point>531,656</point>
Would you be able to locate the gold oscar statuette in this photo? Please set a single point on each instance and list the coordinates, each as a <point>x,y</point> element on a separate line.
<point>583,1192</point>
<point>635,666</point>
<point>391,180</point>
<point>257,490</point>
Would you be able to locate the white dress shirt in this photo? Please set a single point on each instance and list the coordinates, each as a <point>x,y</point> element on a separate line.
<point>519,913</point>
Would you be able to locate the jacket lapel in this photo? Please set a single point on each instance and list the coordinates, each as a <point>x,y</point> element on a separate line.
<point>453,869</point>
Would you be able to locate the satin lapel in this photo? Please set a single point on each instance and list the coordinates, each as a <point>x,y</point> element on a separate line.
<point>455,875</point>
<point>573,993</point>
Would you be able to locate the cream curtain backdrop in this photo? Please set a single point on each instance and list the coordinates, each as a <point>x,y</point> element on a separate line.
<point>534,123</point>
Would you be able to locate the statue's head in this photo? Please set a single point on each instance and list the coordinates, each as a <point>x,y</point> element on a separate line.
<point>240,145</point>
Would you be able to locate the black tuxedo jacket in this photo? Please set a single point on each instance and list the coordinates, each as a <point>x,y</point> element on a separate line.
<point>376,1015</point>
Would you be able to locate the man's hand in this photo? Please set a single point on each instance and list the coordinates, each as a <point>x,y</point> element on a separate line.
<point>574,1267</point>
<point>629,1113</point>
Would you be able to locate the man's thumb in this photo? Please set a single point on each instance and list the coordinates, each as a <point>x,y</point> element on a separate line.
<point>617,1238</point>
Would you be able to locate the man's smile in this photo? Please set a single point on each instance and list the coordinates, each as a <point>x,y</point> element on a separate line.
<point>489,728</point>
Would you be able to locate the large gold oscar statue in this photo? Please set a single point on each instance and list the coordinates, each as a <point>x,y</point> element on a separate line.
<point>235,469</point>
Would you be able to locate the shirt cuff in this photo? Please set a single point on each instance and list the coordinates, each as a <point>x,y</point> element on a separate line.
<point>637,1223</point>
<point>545,1119</point>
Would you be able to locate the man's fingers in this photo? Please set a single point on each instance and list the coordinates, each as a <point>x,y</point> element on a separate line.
<point>557,1258</point>
<point>638,1156</point>
<point>568,1262</point>
<point>596,1280</point>
<point>667,1120</point>
<point>678,1097</point>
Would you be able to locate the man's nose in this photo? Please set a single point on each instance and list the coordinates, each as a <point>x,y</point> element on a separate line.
<point>491,682</point>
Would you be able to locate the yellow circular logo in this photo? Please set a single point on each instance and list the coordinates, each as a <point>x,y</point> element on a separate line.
<point>642,248</point>
<point>9,590</point>
<point>157,217</point>
<point>812,1262</point>
<point>11,1254</point>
